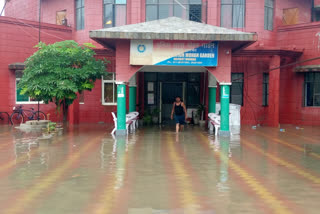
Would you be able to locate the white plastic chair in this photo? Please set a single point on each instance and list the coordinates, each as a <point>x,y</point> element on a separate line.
<point>214,122</point>
<point>135,118</point>
<point>128,123</point>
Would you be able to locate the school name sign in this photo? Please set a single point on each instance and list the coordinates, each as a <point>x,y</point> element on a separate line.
<point>173,53</point>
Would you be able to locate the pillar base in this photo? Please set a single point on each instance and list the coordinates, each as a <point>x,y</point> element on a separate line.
<point>224,133</point>
<point>121,132</point>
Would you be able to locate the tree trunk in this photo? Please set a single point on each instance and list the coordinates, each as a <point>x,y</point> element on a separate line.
<point>65,112</point>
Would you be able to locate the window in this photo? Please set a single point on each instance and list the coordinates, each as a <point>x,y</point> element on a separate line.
<point>151,93</point>
<point>109,89</point>
<point>265,89</point>
<point>237,88</point>
<point>290,16</point>
<point>312,89</point>
<point>79,14</point>
<point>23,99</point>
<point>114,13</point>
<point>61,18</point>
<point>316,12</point>
<point>185,9</point>
<point>233,13</point>
<point>268,14</point>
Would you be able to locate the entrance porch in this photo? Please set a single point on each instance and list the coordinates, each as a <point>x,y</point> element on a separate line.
<point>174,46</point>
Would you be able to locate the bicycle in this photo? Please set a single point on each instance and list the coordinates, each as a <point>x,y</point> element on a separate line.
<point>19,114</point>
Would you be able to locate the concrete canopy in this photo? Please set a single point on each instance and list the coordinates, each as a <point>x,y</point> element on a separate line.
<point>172,28</point>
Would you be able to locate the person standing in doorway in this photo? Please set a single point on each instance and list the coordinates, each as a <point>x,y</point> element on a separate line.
<point>180,113</point>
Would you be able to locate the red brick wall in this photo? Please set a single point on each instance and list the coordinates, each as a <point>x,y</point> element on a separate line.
<point>50,8</point>
<point>304,37</point>
<point>303,6</point>
<point>23,9</point>
<point>252,111</point>
<point>17,41</point>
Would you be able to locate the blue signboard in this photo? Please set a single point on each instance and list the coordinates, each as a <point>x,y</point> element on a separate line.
<point>204,55</point>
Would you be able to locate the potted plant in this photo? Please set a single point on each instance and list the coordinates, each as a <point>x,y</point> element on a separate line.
<point>155,115</point>
<point>147,117</point>
<point>200,112</point>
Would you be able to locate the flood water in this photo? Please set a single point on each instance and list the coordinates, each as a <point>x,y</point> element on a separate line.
<point>155,171</point>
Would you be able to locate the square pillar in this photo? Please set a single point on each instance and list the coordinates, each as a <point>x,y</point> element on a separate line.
<point>132,93</point>
<point>212,83</point>
<point>225,109</point>
<point>212,99</point>
<point>274,92</point>
<point>121,109</point>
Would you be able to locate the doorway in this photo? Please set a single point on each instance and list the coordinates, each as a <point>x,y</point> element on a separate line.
<point>161,88</point>
<point>169,91</point>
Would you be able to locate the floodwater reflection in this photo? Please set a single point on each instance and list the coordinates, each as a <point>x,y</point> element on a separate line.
<point>156,171</point>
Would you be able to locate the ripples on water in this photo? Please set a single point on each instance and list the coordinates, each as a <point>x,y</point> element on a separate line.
<point>86,170</point>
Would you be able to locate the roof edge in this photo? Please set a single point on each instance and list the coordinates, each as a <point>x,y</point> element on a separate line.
<point>173,36</point>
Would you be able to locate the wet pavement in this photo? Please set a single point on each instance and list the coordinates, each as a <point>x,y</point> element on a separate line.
<point>155,171</point>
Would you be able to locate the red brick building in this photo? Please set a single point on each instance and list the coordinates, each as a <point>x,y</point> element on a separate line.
<point>276,79</point>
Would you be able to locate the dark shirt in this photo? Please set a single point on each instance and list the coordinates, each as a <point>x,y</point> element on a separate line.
<point>178,109</point>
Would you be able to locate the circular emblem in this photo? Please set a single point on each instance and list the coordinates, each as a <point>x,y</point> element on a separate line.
<point>141,48</point>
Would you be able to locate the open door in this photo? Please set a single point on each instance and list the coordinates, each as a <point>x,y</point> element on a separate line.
<point>169,91</point>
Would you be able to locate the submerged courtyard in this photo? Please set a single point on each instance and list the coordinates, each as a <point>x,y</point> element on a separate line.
<point>154,170</point>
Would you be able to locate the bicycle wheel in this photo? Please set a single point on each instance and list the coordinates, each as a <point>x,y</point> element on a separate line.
<point>39,115</point>
<point>16,118</point>
<point>4,118</point>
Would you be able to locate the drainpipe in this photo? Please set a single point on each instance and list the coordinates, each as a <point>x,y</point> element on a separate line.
<point>39,41</point>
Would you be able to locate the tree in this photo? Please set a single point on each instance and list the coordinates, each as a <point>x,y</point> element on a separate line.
<point>58,72</point>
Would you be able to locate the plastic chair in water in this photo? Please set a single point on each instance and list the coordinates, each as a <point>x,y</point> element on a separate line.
<point>128,123</point>
<point>214,122</point>
<point>135,119</point>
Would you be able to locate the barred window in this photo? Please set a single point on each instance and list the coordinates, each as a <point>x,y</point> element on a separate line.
<point>312,89</point>
<point>265,89</point>
<point>237,88</point>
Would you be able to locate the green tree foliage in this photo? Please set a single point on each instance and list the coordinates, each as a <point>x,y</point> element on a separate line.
<point>57,72</point>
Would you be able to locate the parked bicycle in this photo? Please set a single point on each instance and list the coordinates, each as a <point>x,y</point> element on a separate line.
<point>19,115</point>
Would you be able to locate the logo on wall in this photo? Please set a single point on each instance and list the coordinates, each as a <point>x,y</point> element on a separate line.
<point>141,48</point>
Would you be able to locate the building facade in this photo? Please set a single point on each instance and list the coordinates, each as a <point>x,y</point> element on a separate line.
<point>275,79</point>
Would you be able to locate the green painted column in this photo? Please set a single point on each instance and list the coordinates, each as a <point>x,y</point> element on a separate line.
<point>212,99</point>
<point>225,109</point>
<point>121,109</point>
<point>132,98</point>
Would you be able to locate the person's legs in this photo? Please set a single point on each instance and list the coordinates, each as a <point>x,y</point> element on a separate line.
<point>177,127</point>
<point>182,122</point>
<point>176,117</point>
